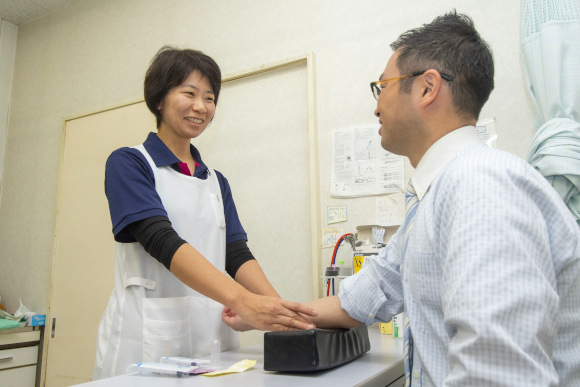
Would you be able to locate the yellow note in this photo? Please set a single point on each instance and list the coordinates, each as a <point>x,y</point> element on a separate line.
<point>240,366</point>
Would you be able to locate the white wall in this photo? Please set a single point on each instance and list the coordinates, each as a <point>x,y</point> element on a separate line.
<point>8,33</point>
<point>93,54</point>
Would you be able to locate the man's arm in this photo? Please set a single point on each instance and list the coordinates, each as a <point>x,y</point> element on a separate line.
<point>498,288</point>
<point>331,314</point>
<point>373,294</point>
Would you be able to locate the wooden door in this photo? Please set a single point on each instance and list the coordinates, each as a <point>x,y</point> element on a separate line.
<point>84,251</point>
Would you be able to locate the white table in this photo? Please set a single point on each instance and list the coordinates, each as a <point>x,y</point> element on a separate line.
<point>381,366</point>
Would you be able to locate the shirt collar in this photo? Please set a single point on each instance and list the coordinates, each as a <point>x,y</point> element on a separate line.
<point>162,156</point>
<point>439,154</point>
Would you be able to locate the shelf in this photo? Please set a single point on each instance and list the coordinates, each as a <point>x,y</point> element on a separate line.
<point>370,226</point>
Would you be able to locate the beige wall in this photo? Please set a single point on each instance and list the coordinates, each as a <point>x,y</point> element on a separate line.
<point>93,54</point>
<point>8,34</point>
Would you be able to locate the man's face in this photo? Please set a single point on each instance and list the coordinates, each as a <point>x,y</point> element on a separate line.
<point>394,111</point>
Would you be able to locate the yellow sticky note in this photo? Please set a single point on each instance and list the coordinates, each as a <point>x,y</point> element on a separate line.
<point>240,366</point>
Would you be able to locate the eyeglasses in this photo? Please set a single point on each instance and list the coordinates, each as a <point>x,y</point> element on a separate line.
<point>378,85</point>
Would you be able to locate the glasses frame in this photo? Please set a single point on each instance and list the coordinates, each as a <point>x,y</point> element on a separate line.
<point>376,89</point>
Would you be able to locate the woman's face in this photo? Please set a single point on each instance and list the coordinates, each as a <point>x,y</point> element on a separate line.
<point>187,109</point>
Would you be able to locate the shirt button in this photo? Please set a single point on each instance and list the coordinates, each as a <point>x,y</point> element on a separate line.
<point>371,315</point>
<point>416,374</point>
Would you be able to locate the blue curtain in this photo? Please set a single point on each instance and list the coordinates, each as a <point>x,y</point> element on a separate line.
<point>550,39</point>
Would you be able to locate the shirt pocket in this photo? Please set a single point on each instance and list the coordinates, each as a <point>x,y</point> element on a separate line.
<point>218,210</point>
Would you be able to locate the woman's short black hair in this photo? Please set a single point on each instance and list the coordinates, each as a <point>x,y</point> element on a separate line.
<point>170,67</point>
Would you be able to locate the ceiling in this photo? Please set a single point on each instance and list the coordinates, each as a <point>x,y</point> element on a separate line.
<point>21,11</point>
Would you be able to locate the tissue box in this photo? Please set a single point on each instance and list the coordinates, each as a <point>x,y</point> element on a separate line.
<point>36,320</point>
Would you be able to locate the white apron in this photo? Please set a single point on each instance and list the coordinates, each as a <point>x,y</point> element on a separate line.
<point>151,313</point>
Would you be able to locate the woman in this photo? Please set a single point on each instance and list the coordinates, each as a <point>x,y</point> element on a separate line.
<point>177,230</point>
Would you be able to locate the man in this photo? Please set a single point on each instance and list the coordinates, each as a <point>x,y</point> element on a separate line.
<point>487,264</point>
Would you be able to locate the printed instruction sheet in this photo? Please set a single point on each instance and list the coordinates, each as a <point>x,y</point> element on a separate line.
<point>361,167</point>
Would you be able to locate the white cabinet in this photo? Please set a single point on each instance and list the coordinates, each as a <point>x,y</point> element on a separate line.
<point>20,351</point>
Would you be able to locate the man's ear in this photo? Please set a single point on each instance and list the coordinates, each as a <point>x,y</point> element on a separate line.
<point>430,87</point>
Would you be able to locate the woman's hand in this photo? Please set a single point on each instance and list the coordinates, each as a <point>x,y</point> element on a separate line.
<point>235,321</point>
<point>270,313</point>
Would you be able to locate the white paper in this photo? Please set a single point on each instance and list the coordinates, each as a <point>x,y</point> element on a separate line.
<point>335,214</point>
<point>361,167</point>
<point>390,210</point>
<point>486,130</point>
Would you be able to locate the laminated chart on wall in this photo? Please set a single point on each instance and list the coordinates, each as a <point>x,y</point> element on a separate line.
<point>361,167</point>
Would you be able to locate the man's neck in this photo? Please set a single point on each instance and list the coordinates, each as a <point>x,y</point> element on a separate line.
<point>435,130</point>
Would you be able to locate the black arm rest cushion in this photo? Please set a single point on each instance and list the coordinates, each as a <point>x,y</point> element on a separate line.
<point>314,349</point>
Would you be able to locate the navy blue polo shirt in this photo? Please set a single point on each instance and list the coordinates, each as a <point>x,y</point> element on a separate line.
<point>130,188</point>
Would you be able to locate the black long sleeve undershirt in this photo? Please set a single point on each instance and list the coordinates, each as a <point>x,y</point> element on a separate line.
<point>160,240</point>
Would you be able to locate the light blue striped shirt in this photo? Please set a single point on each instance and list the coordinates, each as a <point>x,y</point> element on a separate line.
<point>491,278</point>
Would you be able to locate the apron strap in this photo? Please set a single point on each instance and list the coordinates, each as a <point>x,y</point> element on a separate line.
<point>144,282</point>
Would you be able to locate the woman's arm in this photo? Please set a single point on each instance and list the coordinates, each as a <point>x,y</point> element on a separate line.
<point>243,267</point>
<point>162,242</point>
<point>263,312</point>
<point>251,277</point>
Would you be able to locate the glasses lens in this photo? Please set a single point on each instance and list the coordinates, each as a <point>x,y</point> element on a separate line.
<point>376,91</point>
